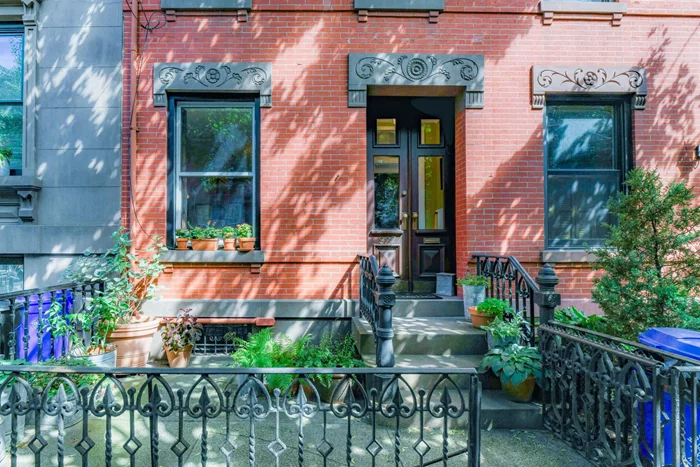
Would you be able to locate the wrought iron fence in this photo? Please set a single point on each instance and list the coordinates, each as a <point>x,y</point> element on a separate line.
<point>24,334</point>
<point>508,280</point>
<point>376,306</point>
<point>229,416</point>
<point>619,402</point>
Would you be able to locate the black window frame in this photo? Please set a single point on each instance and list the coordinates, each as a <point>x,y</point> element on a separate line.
<point>13,29</point>
<point>623,119</point>
<point>172,190</point>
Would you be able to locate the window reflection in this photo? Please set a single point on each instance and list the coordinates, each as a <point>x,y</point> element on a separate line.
<point>386,131</point>
<point>431,193</point>
<point>386,192</point>
<point>430,132</point>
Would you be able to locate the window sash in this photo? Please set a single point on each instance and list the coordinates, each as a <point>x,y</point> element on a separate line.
<point>180,175</point>
<point>622,162</point>
<point>15,30</point>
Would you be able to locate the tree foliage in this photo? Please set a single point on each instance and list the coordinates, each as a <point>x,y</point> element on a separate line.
<point>651,262</point>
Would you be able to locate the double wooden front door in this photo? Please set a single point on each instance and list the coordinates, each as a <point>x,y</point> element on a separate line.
<point>411,218</point>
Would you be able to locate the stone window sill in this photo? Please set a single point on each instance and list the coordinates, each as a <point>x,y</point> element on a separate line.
<point>206,4</point>
<point>219,258</point>
<point>567,256</point>
<point>400,5</point>
<point>18,195</point>
<point>607,11</point>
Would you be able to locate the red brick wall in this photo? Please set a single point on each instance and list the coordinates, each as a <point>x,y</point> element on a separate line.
<point>313,154</point>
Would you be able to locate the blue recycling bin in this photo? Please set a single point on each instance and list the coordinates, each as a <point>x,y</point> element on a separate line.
<point>32,317</point>
<point>684,343</point>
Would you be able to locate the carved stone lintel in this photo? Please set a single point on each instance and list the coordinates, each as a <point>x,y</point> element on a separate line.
<point>589,80</point>
<point>457,71</point>
<point>212,77</point>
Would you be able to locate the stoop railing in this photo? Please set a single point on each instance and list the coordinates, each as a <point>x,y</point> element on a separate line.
<point>230,416</point>
<point>377,301</point>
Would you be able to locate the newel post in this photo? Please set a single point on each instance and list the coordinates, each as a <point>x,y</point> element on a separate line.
<point>547,299</point>
<point>386,299</point>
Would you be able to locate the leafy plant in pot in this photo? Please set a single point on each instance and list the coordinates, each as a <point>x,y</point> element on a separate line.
<point>505,330</point>
<point>205,238</point>
<point>246,241</point>
<point>229,235</point>
<point>473,292</point>
<point>180,336</point>
<point>130,279</point>
<point>5,156</point>
<point>182,237</point>
<point>487,311</point>
<point>519,368</point>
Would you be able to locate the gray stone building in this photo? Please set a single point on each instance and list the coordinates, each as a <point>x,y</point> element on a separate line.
<point>60,122</point>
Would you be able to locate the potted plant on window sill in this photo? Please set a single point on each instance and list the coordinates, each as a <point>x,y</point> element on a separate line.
<point>205,238</point>
<point>519,368</point>
<point>182,237</point>
<point>246,241</point>
<point>129,281</point>
<point>180,336</point>
<point>5,156</point>
<point>229,235</point>
<point>488,311</point>
<point>473,292</point>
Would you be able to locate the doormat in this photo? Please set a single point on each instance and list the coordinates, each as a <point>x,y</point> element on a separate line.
<point>417,296</point>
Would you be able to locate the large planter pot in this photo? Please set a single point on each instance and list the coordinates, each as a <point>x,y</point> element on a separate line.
<point>181,243</point>
<point>107,359</point>
<point>472,296</point>
<point>520,393</point>
<point>229,244</point>
<point>181,359</point>
<point>205,244</point>
<point>246,244</point>
<point>480,319</point>
<point>133,341</point>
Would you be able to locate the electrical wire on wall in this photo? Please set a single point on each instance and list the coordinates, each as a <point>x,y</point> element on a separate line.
<point>152,21</point>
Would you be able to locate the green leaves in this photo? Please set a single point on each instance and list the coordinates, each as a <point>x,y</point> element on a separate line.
<point>651,266</point>
<point>513,363</point>
<point>494,307</point>
<point>474,281</point>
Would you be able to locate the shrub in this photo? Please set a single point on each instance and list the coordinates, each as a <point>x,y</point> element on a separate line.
<point>494,307</point>
<point>572,316</point>
<point>651,265</point>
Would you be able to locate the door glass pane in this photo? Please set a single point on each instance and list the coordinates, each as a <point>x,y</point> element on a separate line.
<point>216,139</point>
<point>431,193</point>
<point>430,132</point>
<point>11,134</point>
<point>580,137</point>
<point>386,131</point>
<point>386,192</point>
<point>223,201</point>
<point>577,208</point>
<point>11,53</point>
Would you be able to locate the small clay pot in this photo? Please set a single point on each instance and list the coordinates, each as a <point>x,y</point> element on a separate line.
<point>246,244</point>
<point>229,244</point>
<point>480,319</point>
<point>205,244</point>
<point>181,243</point>
<point>179,360</point>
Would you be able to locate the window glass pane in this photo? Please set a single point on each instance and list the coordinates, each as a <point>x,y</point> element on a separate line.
<point>581,137</point>
<point>430,132</point>
<point>216,139</point>
<point>11,275</point>
<point>11,134</point>
<point>11,52</point>
<point>577,208</point>
<point>223,201</point>
<point>386,192</point>
<point>431,194</point>
<point>386,131</point>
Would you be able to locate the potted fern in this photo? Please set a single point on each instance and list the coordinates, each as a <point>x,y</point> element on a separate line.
<point>473,292</point>
<point>180,336</point>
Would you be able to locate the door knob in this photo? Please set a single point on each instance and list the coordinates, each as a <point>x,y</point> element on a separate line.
<point>404,217</point>
<point>415,220</point>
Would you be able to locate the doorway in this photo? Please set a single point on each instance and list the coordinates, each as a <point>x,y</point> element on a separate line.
<point>411,221</point>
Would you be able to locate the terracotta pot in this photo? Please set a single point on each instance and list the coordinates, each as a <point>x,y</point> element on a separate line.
<point>181,243</point>
<point>246,244</point>
<point>205,244</point>
<point>522,392</point>
<point>229,244</point>
<point>133,341</point>
<point>480,319</point>
<point>179,360</point>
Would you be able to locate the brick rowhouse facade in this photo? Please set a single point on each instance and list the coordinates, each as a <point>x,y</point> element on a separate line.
<point>313,151</point>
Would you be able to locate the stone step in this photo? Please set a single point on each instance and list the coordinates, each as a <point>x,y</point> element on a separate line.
<point>440,336</point>
<point>447,306</point>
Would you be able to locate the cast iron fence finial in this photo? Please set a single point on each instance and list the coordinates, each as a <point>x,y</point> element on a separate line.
<point>546,298</point>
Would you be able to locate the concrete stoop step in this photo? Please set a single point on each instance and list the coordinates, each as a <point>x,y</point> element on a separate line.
<point>446,307</point>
